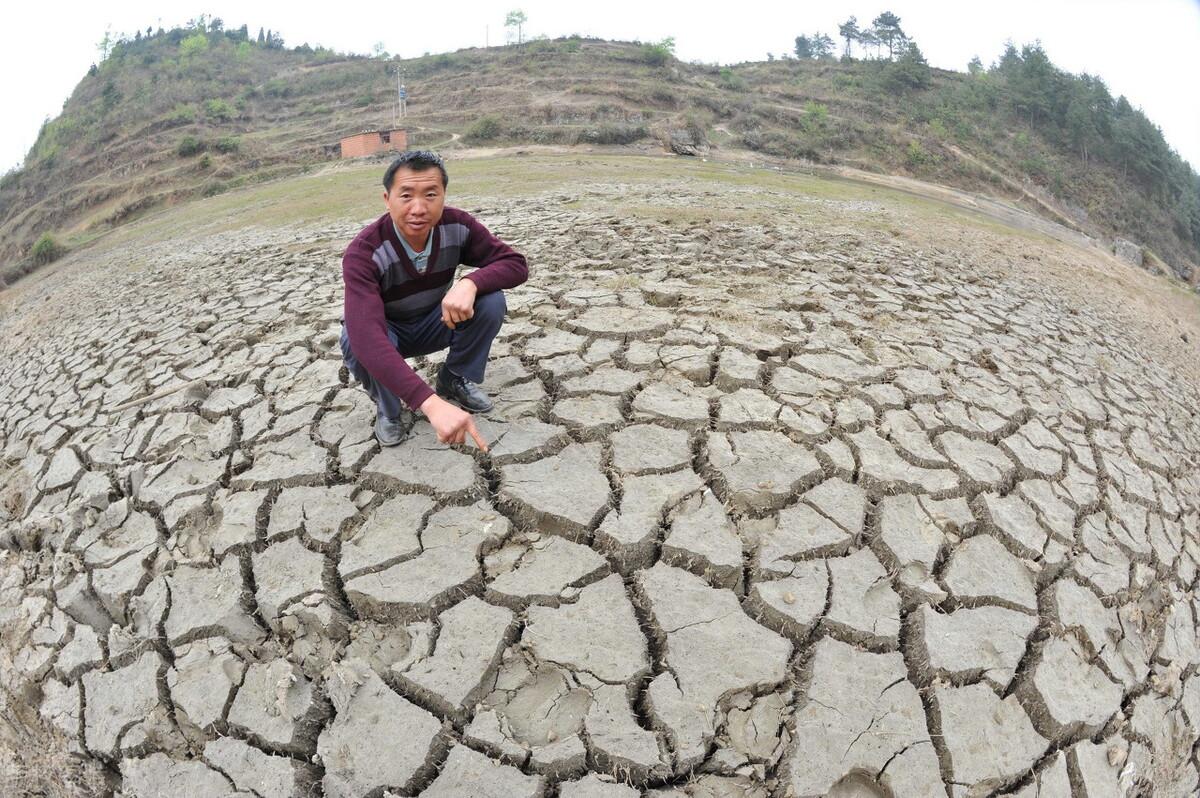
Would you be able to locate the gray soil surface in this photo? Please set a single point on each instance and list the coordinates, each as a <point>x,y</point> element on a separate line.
<point>780,509</point>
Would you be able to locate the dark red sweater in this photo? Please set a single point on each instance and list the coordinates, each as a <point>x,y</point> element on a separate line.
<point>381,284</point>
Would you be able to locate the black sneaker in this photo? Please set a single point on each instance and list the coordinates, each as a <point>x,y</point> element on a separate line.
<point>462,392</point>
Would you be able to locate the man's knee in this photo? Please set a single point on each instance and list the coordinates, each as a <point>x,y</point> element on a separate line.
<point>491,306</point>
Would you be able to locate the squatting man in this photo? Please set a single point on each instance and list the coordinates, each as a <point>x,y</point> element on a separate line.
<point>402,301</point>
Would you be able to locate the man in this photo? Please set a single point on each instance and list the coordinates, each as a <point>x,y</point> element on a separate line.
<point>402,300</point>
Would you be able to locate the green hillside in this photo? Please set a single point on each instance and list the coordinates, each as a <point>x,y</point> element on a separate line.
<point>174,115</point>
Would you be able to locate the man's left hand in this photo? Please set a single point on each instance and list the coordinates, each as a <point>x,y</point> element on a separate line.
<point>459,303</point>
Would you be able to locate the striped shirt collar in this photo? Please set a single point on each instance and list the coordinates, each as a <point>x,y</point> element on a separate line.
<point>419,259</point>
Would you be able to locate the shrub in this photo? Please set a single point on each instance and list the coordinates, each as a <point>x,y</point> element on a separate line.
<point>815,114</point>
<point>205,162</point>
<point>485,128</point>
<point>730,80</point>
<point>219,110</point>
<point>46,249</point>
<point>182,115</point>
<point>658,53</point>
<point>193,45</point>
<point>227,144</point>
<point>613,134</point>
<point>189,145</point>
<point>363,100</point>
<point>916,155</point>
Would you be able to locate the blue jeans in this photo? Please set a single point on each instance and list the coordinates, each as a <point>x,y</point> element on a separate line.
<point>469,342</point>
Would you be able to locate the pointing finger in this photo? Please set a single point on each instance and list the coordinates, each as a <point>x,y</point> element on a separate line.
<point>478,438</point>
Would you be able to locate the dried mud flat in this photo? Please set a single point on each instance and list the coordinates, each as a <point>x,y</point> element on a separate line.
<point>770,510</point>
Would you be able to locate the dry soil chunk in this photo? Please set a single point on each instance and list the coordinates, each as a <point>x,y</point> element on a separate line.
<point>422,464</point>
<point>862,714</point>
<point>793,604</point>
<point>598,634</point>
<point>563,494</point>
<point>593,786</point>
<point>630,534</point>
<point>712,648</point>
<point>202,681</point>
<point>469,772</point>
<point>124,710</point>
<point>761,469</point>
<point>377,739</point>
<point>253,770</point>
<point>990,741</point>
<point>467,650</point>
<point>390,533</point>
<point>448,564</point>
<point>647,448</point>
<point>209,601</point>
<point>1067,692</point>
<point>675,404</point>
<point>278,704</point>
<point>887,471</point>
<point>982,570</point>
<point>159,775</point>
<point>620,321</point>
<point>294,460</point>
<point>319,512</point>
<point>284,573</point>
<point>826,521</point>
<point>989,641</point>
<point>981,463</point>
<point>616,741</point>
<point>914,529</point>
<point>863,607</point>
<point>703,540</point>
<point>545,569</point>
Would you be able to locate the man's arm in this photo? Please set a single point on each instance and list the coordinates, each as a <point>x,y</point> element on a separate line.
<point>497,265</point>
<point>366,327</point>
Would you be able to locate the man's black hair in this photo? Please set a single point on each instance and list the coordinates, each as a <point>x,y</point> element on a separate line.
<point>418,161</point>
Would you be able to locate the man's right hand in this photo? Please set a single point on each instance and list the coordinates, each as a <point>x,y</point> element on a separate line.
<point>452,424</point>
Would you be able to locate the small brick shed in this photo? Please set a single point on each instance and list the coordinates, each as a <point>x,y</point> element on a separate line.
<point>370,142</point>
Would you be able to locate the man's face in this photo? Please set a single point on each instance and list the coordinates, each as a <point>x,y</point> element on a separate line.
<point>415,203</point>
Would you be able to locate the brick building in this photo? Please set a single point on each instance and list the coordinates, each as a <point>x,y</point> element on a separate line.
<point>372,141</point>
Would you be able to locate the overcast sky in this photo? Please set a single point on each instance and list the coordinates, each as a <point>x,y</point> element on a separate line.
<point>1148,50</point>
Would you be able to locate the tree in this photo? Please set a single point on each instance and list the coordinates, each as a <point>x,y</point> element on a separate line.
<point>887,30</point>
<point>261,38</point>
<point>380,50</point>
<point>822,46</point>
<point>867,39</point>
<point>105,44</point>
<point>910,70</point>
<point>659,53</point>
<point>193,45</point>
<point>816,46</point>
<point>849,31</point>
<point>516,19</point>
<point>974,66</point>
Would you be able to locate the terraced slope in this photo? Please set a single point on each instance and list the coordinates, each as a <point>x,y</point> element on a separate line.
<point>780,501</point>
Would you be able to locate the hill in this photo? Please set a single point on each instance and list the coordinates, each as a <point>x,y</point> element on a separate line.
<point>187,113</point>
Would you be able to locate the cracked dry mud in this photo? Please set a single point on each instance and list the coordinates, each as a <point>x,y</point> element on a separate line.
<point>832,519</point>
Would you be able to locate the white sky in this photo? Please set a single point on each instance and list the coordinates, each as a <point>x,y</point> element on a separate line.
<point>1148,50</point>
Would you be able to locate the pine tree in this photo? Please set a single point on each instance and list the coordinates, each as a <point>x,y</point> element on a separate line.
<point>849,31</point>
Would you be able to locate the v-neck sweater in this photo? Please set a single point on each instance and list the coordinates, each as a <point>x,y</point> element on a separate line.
<point>381,285</point>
